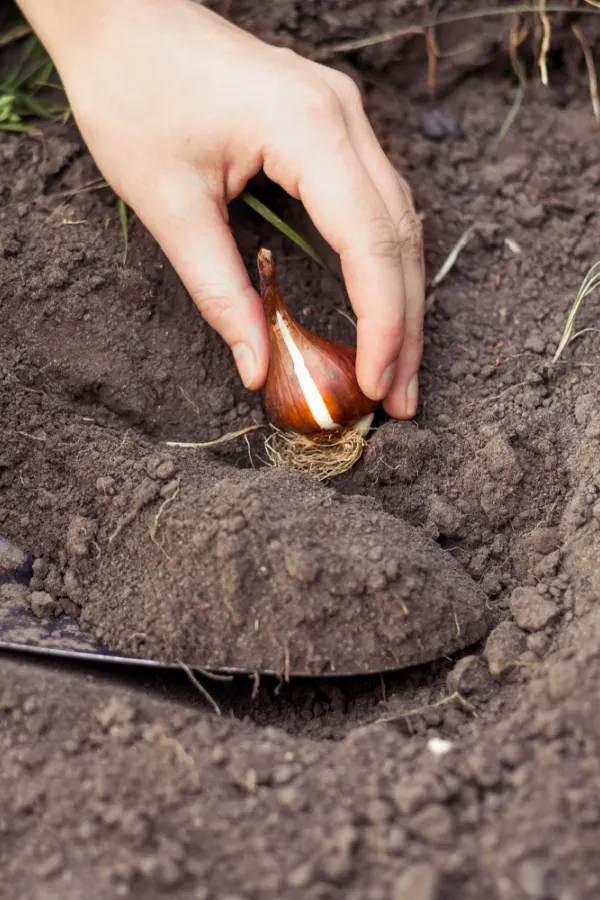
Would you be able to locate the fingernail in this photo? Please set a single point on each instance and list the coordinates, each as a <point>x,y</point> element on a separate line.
<point>412,395</point>
<point>245,362</point>
<point>385,382</point>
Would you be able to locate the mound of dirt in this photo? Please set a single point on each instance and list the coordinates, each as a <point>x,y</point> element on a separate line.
<point>197,562</point>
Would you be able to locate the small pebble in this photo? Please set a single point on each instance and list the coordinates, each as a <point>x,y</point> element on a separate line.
<point>437,125</point>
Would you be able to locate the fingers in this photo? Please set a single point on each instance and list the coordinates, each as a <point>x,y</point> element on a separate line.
<point>346,207</point>
<point>192,230</point>
<point>402,398</point>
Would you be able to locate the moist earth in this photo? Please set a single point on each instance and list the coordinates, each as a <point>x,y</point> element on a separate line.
<point>464,544</point>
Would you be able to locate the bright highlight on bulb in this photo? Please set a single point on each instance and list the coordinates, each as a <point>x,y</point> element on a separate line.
<point>316,404</point>
<point>311,385</point>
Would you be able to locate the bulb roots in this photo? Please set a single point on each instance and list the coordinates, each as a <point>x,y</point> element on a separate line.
<point>319,459</point>
<point>322,455</point>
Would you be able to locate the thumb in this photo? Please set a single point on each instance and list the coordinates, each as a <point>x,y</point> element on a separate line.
<point>197,240</point>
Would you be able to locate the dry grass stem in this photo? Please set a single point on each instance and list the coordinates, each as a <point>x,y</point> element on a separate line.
<point>452,257</point>
<point>467,15</point>
<point>433,51</point>
<point>419,710</point>
<point>545,44</point>
<point>319,460</point>
<point>588,285</point>
<point>214,676</point>
<point>202,690</point>
<point>513,246</point>
<point>591,68</point>
<point>224,439</point>
<point>517,36</point>
<point>342,312</point>
<point>154,527</point>
<point>431,45</point>
<point>96,184</point>
<point>21,30</point>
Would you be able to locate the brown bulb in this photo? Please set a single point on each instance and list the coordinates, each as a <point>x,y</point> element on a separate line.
<point>311,385</point>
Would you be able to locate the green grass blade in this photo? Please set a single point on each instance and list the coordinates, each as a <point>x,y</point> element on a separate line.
<point>34,107</point>
<point>14,75</point>
<point>124,226</point>
<point>53,85</point>
<point>255,204</point>
<point>44,74</point>
<point>510,118</point>
<point>258,11</point>
<point>283,227</point>
<point>16,126</point>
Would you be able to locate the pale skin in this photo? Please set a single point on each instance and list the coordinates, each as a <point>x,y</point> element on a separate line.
<point>180,108</point>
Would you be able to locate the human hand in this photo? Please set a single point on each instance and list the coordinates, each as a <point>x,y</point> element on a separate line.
<point>180,109</point>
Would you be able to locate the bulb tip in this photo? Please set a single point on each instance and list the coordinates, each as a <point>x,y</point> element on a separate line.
<point>266,268</point>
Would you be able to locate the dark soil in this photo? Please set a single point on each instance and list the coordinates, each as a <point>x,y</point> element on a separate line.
<point>473,529</point>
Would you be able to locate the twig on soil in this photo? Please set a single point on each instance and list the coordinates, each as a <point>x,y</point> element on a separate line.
<point>255,685</point>
<point>432,51</point>
<point>32,437</point>
<point>502,393</point>
<point>457,625</point>
<point>591,68</point>
<point>466,15</point>
<point>545,44</point>
<point>224,439</point>
<point>452,257</point>
<point>141,498</point>
<point>588,285</point>
<point>431,45</point>
<point>96,184</point>
<point>346,316</point>
<point>190,401</point>
<point>201,689</point>
<point>154,527</point>
<point>512,246</point>
<point>74,222</point>
<point>419,710</point>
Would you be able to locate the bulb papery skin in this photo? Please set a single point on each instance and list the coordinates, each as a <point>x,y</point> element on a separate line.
<point>311,385</point>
